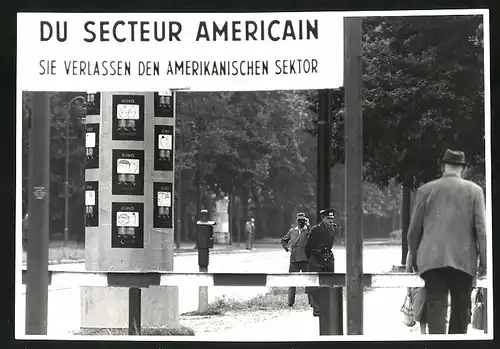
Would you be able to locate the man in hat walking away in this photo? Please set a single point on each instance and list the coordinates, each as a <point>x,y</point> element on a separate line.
<point>295,242</point>
<point>446,236</point>
<point>319,252</point>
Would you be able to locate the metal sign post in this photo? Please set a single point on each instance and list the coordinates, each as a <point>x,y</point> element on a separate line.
<point>39,214</point>
<point>354,178</point>
<point>330,318</point>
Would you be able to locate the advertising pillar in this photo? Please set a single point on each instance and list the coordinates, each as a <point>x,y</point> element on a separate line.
<point>129,203</point>
<point>221,216</point>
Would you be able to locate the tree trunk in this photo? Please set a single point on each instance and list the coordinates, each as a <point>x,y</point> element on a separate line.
<point>237,217</point>
<point>230,212</point>
<point>405,221</point>
<point>393,221</point>
<point>259,233</point>
<point>244,196</point>
<point>287,218</point>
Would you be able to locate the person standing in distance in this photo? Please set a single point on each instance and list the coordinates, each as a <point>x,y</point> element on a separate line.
<point>295,241</point>
<point>446,236</point>
<point>319,253</point>
<point>250,233</point>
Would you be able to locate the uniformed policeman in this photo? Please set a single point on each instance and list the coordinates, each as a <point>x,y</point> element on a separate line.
<point>294,241</point>
<point>319,253</point>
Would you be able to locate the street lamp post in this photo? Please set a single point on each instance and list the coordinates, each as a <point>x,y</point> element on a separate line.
<point>66,163</point>
<point>179,230</point>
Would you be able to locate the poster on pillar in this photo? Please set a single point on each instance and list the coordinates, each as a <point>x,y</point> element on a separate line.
<point>92,146</point>
<point>164,148</point>
<point>128,118</point>
<point>162,205</point>
<point>92,204</point>
<point>93,103</point>
<point>127,225</point>
<point>164,104</point>
<point>128,172</point>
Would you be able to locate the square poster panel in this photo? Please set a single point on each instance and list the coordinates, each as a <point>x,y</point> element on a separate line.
<point>128,118</point>
<point>92,204</point>
<point>164,104</point>
<point>128,172</point>
<point>162,205</point>
<point>127,224</point>
<point>91,146</point>
<point>93,103</point>
<point>164,148</point>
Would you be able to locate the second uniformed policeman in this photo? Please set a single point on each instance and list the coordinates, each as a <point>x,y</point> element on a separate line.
<point>294,241</point>
<point>318,250</point>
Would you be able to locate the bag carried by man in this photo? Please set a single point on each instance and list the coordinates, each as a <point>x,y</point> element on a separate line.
<point>479,311</point>
<point>408,310</point>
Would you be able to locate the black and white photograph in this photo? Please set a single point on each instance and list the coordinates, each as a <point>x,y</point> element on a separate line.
<point>258,209</point>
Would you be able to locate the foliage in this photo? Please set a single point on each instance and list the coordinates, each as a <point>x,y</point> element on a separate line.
<point>145,331</point>
<point>423,92</point>
<point>383,201</point>
<point>59,111</point>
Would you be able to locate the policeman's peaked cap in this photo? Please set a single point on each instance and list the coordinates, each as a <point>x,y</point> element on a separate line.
<point>329,212</point>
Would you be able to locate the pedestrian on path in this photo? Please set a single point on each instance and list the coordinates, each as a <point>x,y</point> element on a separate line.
<point>446,236</point>
<point>250,232</point>
<point>319,253</point>
<point>294,242</point>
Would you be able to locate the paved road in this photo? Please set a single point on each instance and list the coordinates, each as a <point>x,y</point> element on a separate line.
<point>64,310</point>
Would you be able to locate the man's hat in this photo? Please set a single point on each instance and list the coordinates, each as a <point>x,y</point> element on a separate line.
<point>300,216</point>
<point>329,212</point>
<point>453,157</point>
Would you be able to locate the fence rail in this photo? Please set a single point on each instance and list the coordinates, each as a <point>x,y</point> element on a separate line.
<point>140,279</point>
<point>136,280</point>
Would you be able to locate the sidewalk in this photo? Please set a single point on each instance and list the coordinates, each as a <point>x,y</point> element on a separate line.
<point>266,244</point>
<point>382,320</point>
<point>188,248</point>
<point>235,247</point>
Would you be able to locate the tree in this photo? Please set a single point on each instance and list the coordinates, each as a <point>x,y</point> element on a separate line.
<point>57,160</point>
<point>423,92</point>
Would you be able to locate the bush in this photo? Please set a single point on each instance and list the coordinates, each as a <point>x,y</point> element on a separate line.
<point>275,298</point>
<point>396,235</point>
<point>181,331</point>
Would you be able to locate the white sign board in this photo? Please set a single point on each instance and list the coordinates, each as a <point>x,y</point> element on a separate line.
<point>164,199</point>
<point>127,219</point>
<point>164,141</point>
<point>127,111</point>
<point>197,51</point>
<point>90,198</point>
<point>90,140</point>
<point>127,166</point>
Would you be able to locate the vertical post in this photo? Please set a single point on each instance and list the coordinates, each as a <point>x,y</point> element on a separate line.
<point>38,224</point>
<point>231,209</point>
<point>198,174</point>
<point>354,179</point>
<point>405,218</point>
<point>239,226</point>
<point>203,290</point>
<point>66,180</point>
<point>485,312</point>
<point>177,231</point>
<point>330,299</point>
<point>203,256</point>
<point>134,311</point>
